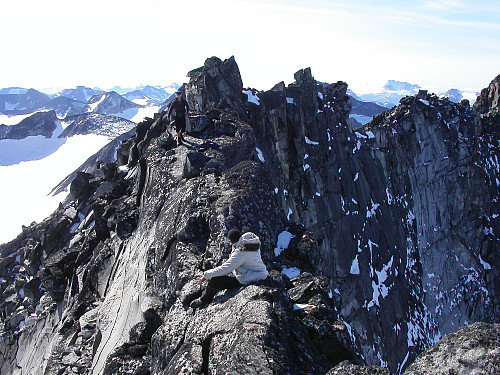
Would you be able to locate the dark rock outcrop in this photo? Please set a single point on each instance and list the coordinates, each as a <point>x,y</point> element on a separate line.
<point>488,102</point>
<point>39,123</point>
<point>391,239</point>
<point>217,83</point>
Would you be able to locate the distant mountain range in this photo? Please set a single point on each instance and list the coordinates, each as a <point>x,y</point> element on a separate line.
<point>393,91</point>
<point>54,134</point>
<point>81,99</point>
<point>365,106</point>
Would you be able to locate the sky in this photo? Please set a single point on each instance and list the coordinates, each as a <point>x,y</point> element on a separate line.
<point>438,44</point>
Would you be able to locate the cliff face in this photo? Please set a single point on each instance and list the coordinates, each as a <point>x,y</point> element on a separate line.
<point>404,211</point>
<point>392,229</point>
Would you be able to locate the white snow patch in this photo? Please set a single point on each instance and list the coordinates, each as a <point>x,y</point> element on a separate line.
<point>276,190</point>
<point>290,212</point>
<point>359,135</point>
<point>13,120</point>
<point>291,272</point>
<point>357,146</point>
<point>320,95</point>
<point>370,134</point>
<point>309,142</point>
<point>302,306</point>
<point>426,102</point>
<point>318,194</point>
<point>350,330</point>
<point>356,176</point>
<point>306,156</point>
<point>379,288</point>
<point>290,100</point>
<point>402,365</point>
<point>138,114</point>
<point>92,106</point>
<point>252,98</point>
<point>372,211</point>
<point>306,167</point>
<point>485,264</point>
<point>355,266</point>
<point>410,217</point>
<point>260,155</point>
<point>143,102</point>
<point>284,239</point>
<point>389,196</point>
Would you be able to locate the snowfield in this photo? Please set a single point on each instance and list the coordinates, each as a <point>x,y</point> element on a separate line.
<point>14,151</point>
<point>24,188</point>
<point>138,114</point>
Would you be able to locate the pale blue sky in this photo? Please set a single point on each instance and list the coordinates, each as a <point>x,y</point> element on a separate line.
<point>437,44</point>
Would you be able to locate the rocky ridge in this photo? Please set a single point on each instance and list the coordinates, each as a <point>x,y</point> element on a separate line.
<point>39,123</point>
<point>369,215</point>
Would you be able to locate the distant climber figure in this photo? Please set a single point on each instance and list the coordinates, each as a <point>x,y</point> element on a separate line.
<point>181,107</point>
<point>245,263</point>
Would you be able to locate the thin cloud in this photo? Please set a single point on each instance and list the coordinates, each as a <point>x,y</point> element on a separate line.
<point>445,5</point>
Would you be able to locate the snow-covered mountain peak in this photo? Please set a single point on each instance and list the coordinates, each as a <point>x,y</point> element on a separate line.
<point>13,91</point>
<point>393,85</point>
<point>108,103</point>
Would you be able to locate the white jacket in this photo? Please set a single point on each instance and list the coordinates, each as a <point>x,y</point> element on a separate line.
<point>246,265</point>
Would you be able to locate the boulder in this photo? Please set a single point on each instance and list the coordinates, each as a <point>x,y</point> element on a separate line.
<point>348,368</point>
<point>197,123</point>
<point>474,349</point>
<point>80,187</point>
<point>194,164</point>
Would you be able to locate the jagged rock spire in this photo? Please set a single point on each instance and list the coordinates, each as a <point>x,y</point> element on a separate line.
<point>489,99</point>
<point>216,84</point>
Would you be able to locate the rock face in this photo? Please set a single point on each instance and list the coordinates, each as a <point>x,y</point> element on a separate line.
<point>474,349</point>
<point>487,103</point>
<point>64,106</point>
<point>216,83</point>
<point>378,241</point>
<point>39,123</point>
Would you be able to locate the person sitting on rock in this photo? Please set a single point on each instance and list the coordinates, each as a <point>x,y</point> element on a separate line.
<point>245,263</point>
<point>181,107</point>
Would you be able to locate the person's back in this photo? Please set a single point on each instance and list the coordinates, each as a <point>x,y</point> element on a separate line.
<point>245,262</point>
<point>253,268</point>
